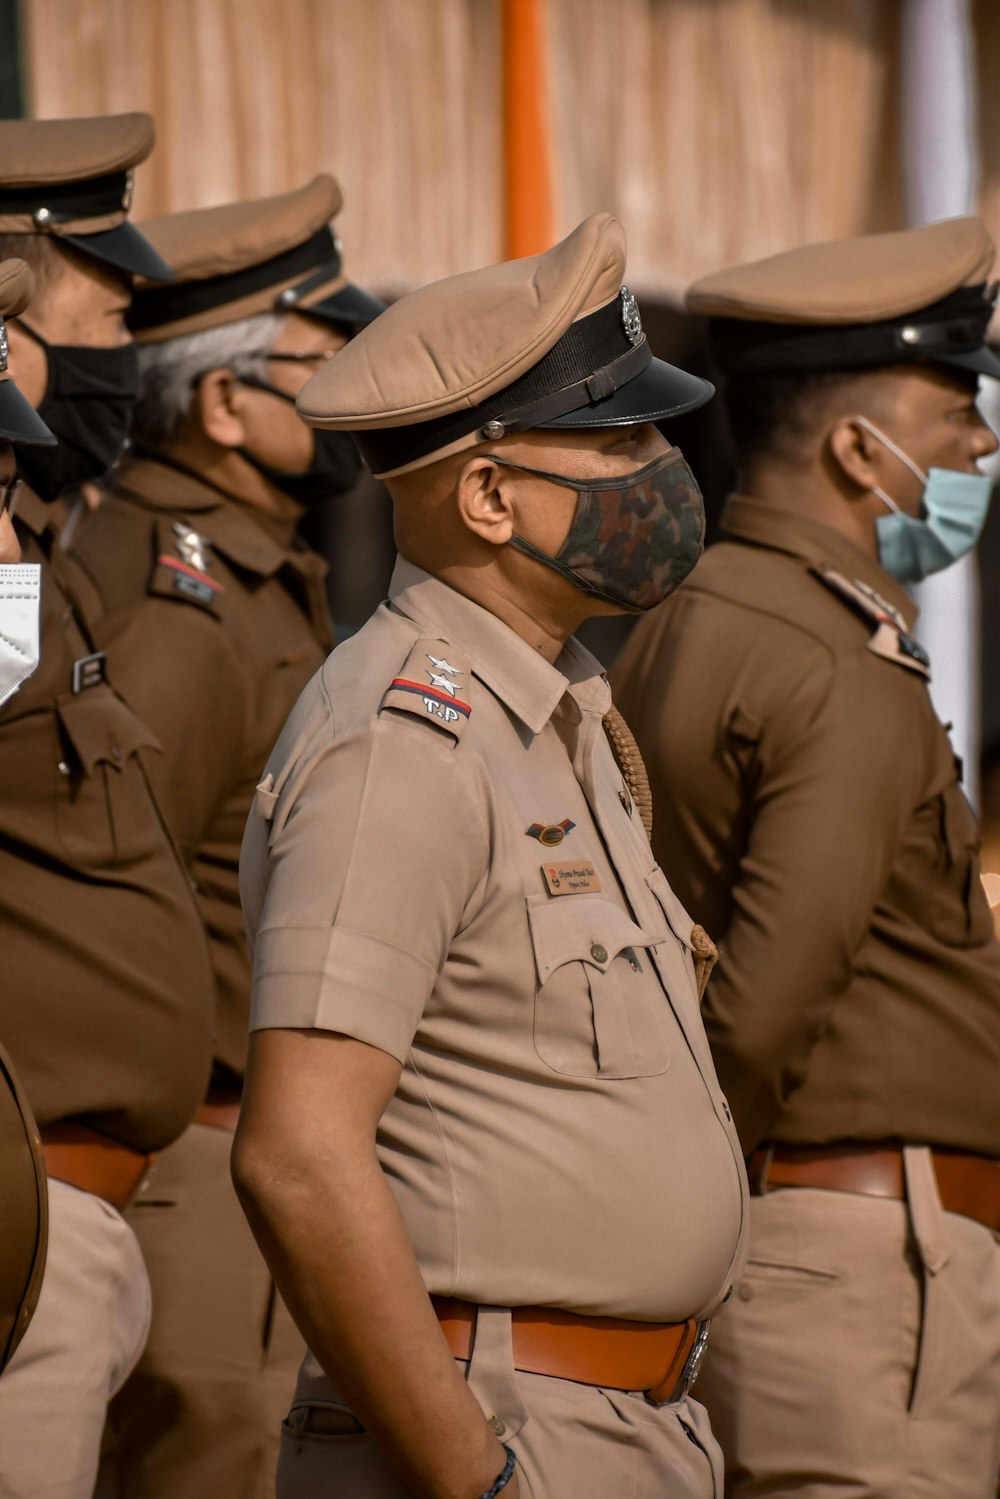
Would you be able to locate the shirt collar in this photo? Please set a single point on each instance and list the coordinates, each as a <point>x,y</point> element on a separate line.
<point>755,521</point>
<point>240,532</point>
<point>521,678</point>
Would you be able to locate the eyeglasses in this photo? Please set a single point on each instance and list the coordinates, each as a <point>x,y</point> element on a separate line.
<point>293,357</point>
<point>7,496</point>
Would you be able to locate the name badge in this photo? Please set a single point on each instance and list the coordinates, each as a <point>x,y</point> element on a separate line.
<point>88,671</point>
<point>573,877</point>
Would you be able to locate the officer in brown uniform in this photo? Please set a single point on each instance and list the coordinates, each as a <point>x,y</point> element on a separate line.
<point>23,1199</point>
<point>482,1146</point>
<point>215,618</point>
<point>809,808</point>
<point>107,984</point>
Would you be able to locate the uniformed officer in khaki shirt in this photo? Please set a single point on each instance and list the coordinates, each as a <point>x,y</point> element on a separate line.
<point>810,810</point>
<point>214,617</point>
<point>107,1000</point>
<point>23,1196</point>
<point>477,1067</point>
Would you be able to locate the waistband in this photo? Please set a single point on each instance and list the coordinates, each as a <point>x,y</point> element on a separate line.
<point>93,1162</point>
<point>968,1184</point>
<point>660,1358</point>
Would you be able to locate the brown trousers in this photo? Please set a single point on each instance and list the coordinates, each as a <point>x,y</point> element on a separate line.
<point>570,1439</point>
<point>861,1353</point>
<point>201,1415</point>
<point>85,1337</point>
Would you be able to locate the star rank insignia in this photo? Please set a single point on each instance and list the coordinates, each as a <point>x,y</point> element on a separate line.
<point>550,833</point>
<point>192,548</point>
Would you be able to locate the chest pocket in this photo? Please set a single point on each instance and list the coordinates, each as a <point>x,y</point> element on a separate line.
<point>105,814</point>
<point>599,1008</point>
<point>959,913</point>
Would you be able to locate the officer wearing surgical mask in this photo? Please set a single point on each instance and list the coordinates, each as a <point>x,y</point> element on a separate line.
<point>22,1167</point>
<point>20,582</point>
<point>215,619</point>
<point>810,811</point>
<point>107,988</point>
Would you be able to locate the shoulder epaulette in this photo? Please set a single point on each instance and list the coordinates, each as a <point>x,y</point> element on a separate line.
<point>890,638</point>
<point>181,567</point>
<point>432,684</point>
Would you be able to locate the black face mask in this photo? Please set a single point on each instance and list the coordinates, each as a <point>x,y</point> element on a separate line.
<point>88,404</point>
<point>335,464</point>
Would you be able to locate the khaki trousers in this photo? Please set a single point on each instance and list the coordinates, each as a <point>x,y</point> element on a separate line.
<point>201,1416</point>
<point>572,1441</point>
<point>861,1354</point>
<point>85,1337</point>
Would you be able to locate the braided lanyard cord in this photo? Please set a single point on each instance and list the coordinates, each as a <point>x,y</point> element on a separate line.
<point>505,1476</point>
<point>626,753</point>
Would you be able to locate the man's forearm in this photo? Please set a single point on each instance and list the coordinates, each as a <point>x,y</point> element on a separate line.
<point>336,1244</point>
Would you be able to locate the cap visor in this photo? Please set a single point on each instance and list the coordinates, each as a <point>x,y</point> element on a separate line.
<point>124,248</point>
<point>19,421</point>
<point>980,361</point>
<point>349,305</point>
<point>659,392</point>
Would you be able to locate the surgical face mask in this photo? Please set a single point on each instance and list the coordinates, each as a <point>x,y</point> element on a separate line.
<point>955,507</point>
<point>335,464</point>
<point>20,602</point>
<point>88,404</point>
<point>634,537</point>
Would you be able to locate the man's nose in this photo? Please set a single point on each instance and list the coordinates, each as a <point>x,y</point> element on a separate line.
<point>985,441</point>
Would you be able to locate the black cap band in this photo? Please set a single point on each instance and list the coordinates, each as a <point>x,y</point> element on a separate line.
<point>955,325</point>
<point>319,255</point>
<point>593,358</point>
<point>70,202</point>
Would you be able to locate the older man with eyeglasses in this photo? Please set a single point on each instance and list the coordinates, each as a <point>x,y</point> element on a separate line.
<point>215,617</point>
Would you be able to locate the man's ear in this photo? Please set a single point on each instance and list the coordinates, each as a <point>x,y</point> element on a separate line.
<point>217,408</point>
<point>854,452</point>
<point>484,496</point>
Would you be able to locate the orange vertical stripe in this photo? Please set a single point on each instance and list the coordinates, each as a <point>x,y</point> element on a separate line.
<point>528,216</point>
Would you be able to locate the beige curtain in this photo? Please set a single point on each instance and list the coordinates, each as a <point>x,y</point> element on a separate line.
<point>717,130</point>
<point>398,98</point>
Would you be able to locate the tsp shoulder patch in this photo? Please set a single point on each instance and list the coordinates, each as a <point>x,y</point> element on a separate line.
<point>432,684</point>
<point>181,568</point>
<point>890,638</point>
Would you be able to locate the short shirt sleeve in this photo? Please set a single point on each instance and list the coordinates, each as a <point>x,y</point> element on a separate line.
<point>375,856</point>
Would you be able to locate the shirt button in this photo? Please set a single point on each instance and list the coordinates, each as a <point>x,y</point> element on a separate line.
<point>496,1426</point>
<point>599,953</point>
<point>745,1292</point>
<point>117,754</point>
<point>63,768</point>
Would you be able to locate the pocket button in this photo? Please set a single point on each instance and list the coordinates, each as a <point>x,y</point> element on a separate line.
<point>599,953</point>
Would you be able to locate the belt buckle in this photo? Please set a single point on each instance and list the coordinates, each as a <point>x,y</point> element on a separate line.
<point>693,1363</point>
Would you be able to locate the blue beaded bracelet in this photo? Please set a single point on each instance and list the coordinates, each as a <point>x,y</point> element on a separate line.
<point>505,1476</point>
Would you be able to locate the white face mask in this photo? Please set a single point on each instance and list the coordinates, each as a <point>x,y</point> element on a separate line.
<point>20,603</point>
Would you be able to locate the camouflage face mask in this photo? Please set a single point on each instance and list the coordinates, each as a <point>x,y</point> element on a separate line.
<point>634,538</point>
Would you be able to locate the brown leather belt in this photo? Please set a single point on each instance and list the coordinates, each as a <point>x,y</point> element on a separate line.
<point>93,1162</point>
<point>968,1184</point>
<point>221,1109</point>
<point>659,1358</point>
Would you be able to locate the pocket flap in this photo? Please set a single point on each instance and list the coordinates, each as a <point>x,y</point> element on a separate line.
<point>586,928</point>
<point>100,727</point>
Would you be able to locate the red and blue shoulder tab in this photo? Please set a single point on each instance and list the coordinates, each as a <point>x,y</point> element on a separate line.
<point>890,639</point>
<point>182,567</point>
<point>433,684</point>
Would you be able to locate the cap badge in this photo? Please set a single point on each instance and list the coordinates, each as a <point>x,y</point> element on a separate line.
<point>3,347</point>
<point>550,834</point>
<point>127,194</point>
<point>191,548</point>
<point>631,321</point>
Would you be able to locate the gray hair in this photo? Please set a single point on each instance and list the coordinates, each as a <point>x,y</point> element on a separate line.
<point>169,372</point>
